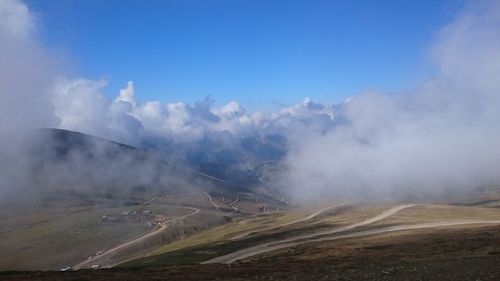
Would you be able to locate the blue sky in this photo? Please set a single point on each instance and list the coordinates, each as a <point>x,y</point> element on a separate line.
<point>261,53</point>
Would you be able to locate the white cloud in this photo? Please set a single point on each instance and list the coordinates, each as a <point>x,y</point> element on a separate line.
<point>26,75</point>
<point>467,49</point>
<point>442,137</point>
<point>80,105</point>
<point>127,94</point>
<point>231,110</point>
<point>16,21</point>
<point>26,71</point>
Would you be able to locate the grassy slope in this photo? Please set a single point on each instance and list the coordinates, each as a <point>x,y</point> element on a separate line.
<point>216,242</point>
<point>69,228</point>
<point>67,235</point>
<point>64,236</point>
<point>448,255</point>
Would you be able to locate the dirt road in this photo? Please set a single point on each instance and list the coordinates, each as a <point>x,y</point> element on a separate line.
<point>371,220</point>
<point>272,247</point>
<point>262,248</point>
<point>163,225</point>
<point>211,200</point>
<point>298,240</point>
<point>309,217</point>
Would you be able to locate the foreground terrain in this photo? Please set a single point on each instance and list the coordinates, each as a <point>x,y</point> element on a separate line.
<point>450,254</point>
<point>98,232</point>
<point>334,241</point>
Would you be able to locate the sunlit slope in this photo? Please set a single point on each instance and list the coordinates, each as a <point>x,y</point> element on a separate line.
<point>273,233</point>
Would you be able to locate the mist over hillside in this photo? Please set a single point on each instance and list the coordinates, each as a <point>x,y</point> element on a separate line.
<point>45,162</point>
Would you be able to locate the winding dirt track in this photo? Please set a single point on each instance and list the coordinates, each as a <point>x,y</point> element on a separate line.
<point>211,200</point>
<point>316,237</point>
<point>309,217</point>
<point>371,220</point>
<point>163,226</point>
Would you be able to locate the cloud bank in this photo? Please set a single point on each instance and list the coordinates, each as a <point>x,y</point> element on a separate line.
<point>27,71</point>
<point>442,137</point>
<point>81,106</point>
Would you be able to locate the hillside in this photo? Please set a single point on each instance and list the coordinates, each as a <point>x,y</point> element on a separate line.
<point>87,195</point>
<point>340,241</point>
